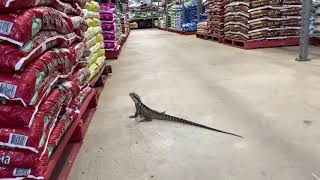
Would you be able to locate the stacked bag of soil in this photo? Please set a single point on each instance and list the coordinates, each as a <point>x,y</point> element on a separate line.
<point>202,28</point>
<point>179,17</point>
<point>110,26</point>
<point>215,17</point>
<point>315,20</point>
<point>190,23</point>
<point>42,81</point>
<point>94,38</point>
<point>173,16</point>
<point>262,19</point>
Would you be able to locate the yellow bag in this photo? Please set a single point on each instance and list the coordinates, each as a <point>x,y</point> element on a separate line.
<point>92,6</point>
<point>95,68</point>
<point>91,41</point>
<point>94,56</point>
<point>92,31</point>
<point>99,38</point>
<point>96,47</point>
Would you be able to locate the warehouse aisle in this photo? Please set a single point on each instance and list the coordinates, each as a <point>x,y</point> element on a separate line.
<point>262,94</point>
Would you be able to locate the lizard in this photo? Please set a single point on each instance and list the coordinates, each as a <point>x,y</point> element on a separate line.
<point>149,114</point>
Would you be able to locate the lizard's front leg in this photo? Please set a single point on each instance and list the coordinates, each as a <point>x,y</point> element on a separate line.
<point>134,116</point>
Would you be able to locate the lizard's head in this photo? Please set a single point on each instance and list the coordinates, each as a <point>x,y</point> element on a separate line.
<point>135,97</point>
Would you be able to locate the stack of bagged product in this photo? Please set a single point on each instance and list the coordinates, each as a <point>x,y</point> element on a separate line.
<point>109,26</point>
<point>215,16</point>
<point>315,20</point>
<point>202,28</point>
<point>179,17</point>
<point>173,15</point>
<point>94,38</point>
<point>41,81</point>
<point>190,23</point>
<point>259,20</point>
<point>118,23</point>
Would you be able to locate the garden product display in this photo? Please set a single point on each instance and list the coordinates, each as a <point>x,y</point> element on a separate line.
<point>215,17</point>
<point>315,20</point>
<point>93,36</point>
<point>30,85</point>
<point>42,75</point>
<point>21,27</point>
<point>15,5</point>
<point>258,20</point>
<point>202,27</point>
<point>14,58</point>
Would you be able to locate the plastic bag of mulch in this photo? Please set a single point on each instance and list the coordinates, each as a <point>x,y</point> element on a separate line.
<point>107,17</point>
<point>94,56</point>
<point>33,83</point>
<point>62,125</point>
<point>15,5</point>
<point>108,26</point>
<point>21,158</point>
<point>96,39</point>
<point>110,45</point>
<point>21,164</point>
<point>78,100</point>
<point>21,27</point>
<point>89,14</point>
<point>107,8</point>
<point>34,137</point>
<point>13,58</point>
<point>94,22</point>
<point>92,6</point>
<point>91,32</point>
<point>80,76</point>
<point>94,69</point>
<point>109,37</point>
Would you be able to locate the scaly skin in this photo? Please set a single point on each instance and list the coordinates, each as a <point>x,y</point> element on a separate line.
<point>149,114</point>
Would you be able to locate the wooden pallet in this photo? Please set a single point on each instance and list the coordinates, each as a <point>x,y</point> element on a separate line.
<point>315,41</point>
<point>181,32</point>
<point>162,29</point>
<point>62,160</point>
<point>209,37</point>
<point>99,81</point>
<point>261,44</point>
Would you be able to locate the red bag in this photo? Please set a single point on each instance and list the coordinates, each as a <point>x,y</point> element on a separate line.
<point>80,76</point>
<point>78,100</point>
<point>30,85</point>
<point>35,136</point>
<point>18,158</point>
<point>21,158</point>
<point>58,132</point>
<point>23,173</point>
<point>12,6</point>
<point>14,58</point>
<point>82,3</point>
<point>77,51</point>
<point>21,27</point>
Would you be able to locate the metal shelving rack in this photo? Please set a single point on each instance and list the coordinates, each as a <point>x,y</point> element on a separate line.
<point>305,31</point>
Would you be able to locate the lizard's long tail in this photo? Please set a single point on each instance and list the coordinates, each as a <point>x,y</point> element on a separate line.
<point>172,118</point>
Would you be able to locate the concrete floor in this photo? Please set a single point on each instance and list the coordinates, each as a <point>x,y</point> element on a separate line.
<point>263,95</point>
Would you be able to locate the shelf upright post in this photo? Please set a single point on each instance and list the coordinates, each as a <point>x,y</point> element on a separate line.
<point>167,14</point>
<point>199,10</point>
<point>305,31</point>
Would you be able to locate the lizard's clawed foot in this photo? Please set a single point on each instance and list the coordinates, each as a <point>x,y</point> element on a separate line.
<point>145,120</point>
<point>133,116</point>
